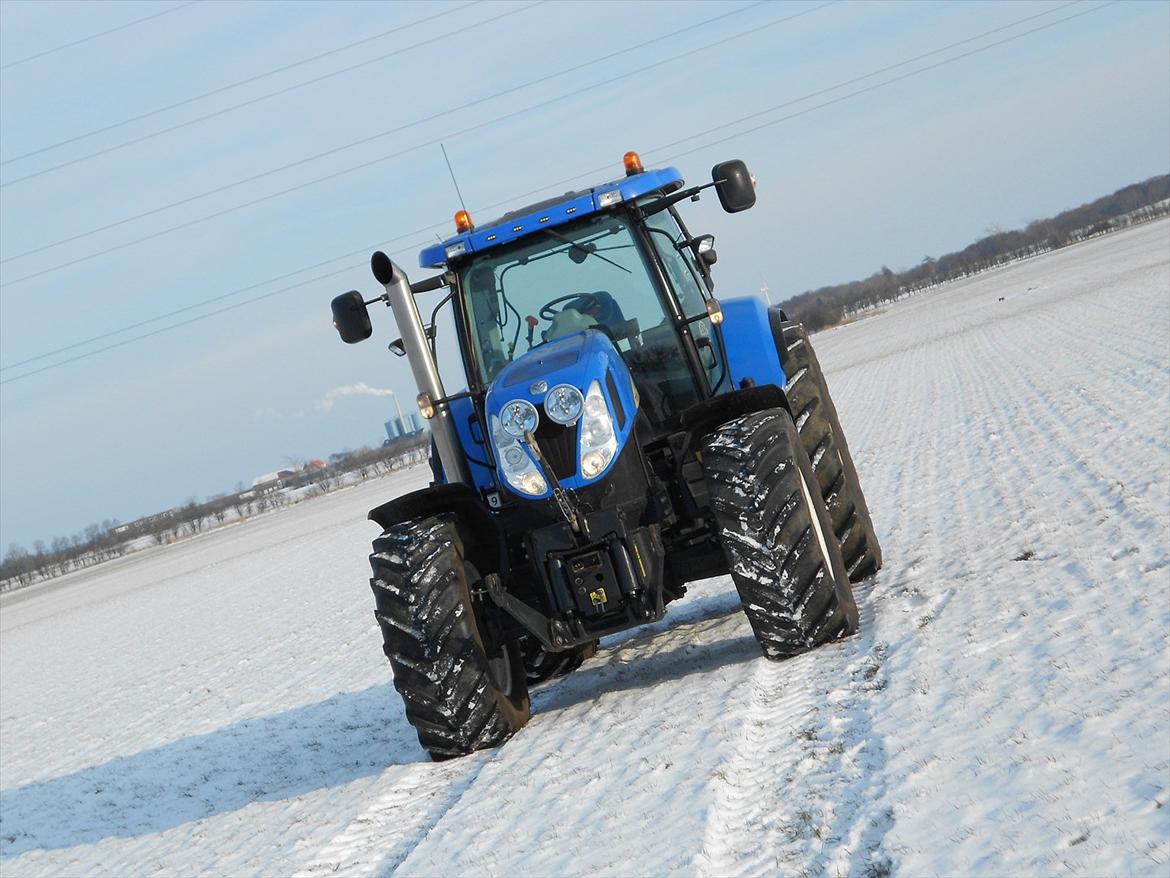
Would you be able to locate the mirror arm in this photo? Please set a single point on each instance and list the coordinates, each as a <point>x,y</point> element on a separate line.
<point>674,198</point>
<point>433,283</point>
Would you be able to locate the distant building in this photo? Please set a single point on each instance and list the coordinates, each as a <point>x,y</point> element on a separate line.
<point>404,426</point>
<point>268,480</point>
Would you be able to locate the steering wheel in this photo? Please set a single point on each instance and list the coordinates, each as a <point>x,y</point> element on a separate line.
<point>587,301</point>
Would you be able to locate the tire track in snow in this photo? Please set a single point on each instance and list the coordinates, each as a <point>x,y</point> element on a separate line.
<point>581,788</point>
<point>797,791</point>
<point>386,832</point>
<point>595,761</point>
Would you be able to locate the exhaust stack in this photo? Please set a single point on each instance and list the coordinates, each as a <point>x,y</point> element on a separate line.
<point>422,364</point>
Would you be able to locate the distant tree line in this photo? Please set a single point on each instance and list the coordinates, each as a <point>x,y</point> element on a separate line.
<point>111,539</point>
<point>831,305</point>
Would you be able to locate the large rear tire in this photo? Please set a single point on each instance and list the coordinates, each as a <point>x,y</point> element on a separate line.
<point>776,534</point>
<point>824,442</point>
<point>458,697</point>
<point>540,665</point>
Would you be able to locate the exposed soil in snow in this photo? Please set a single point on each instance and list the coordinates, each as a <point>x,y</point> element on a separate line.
<point>224,706</point>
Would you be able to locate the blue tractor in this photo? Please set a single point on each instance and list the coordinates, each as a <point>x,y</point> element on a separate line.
<point>622,432</point>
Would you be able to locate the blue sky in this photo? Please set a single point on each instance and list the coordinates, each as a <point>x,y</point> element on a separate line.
<point>921,166</point>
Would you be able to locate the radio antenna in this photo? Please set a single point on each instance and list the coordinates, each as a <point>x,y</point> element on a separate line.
<point>451,171</point>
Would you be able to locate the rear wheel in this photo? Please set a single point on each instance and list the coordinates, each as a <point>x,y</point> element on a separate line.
<point>541,665</point>
<point>460,694</point>
<point>824,442</point>
<point>776,534</point>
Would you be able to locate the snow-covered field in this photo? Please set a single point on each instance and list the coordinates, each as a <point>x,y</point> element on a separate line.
<point>224,707</point>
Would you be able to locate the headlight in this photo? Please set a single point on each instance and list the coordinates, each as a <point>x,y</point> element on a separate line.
<point>598,443</point>
<point>595,406</point>
<point>519,469</point>
<point>563,404</point>
<point>593,462</point>
<point>532,483</point>
<point>519,417</point>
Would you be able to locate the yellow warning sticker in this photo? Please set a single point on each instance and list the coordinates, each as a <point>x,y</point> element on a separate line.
<point>598,597</point>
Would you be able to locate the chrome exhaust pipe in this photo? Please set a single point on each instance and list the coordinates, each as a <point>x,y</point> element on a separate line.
<point>422,364</point>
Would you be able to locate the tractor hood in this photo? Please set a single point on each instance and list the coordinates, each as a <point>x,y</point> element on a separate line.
<point>584,402</point>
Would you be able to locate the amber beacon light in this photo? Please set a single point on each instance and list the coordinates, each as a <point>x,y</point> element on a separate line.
<point>463,221</point>
<point>633,163</point>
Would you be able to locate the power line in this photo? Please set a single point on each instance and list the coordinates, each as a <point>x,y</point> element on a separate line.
<point>601,169</point>
<point>880,84</point>
<point>238,83</point>
<point>252,101</point>
<point>561,182</point>
<point>399,153</point>
<point>807,96</point>
<point>100,34</point>
<point>379,135</point>
<point>433,142</point>
<point>236,292</point>
<point>200,317</point>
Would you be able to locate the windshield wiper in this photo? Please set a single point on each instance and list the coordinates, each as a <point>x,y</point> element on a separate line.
<point>574,245</point>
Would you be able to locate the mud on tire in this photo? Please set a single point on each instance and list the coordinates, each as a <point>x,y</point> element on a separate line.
<point>458,698</point>
<point>824,442</point>
<point>775,532</point>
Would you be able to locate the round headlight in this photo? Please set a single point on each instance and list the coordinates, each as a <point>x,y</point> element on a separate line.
<point>519,417</point>
<point>564,404</point>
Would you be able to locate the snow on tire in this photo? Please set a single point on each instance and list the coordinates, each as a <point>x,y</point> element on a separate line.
<point>457,698</point>
<point>776,534</point>
<point>824,442</point>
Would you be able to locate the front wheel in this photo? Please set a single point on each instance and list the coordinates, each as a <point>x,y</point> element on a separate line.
<point>824,442</point>
<point>777,535</point>
<point>460,693</point>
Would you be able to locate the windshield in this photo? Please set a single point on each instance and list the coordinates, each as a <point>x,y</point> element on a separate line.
<point>592,274</point>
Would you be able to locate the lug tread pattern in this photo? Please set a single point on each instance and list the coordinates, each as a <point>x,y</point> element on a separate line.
<point>423,608</point>
<point>824,441</point>
<point>766,531</point>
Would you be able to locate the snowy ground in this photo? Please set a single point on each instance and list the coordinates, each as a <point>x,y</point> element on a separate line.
<point>224,706</point>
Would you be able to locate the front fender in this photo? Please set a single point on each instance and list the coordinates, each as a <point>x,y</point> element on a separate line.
<point>754,342</point>
<point>481,533</point>
<point>703,417</point>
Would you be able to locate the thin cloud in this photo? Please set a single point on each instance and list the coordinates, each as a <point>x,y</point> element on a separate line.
<point>362,389</point>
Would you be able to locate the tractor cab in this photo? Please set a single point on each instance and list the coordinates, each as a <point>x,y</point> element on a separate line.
<point>612,272</point>
<point>614,260</point>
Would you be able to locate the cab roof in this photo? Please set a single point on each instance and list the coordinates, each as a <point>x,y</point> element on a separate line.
<point>551,212</point>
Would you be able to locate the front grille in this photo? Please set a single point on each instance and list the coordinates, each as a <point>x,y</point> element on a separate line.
<point>559,445</point>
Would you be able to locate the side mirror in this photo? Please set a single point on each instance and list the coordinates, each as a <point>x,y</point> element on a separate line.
<point>705,249</point>
<point>734,185</point>
<point>351,319</point>
<point>706,353</point>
